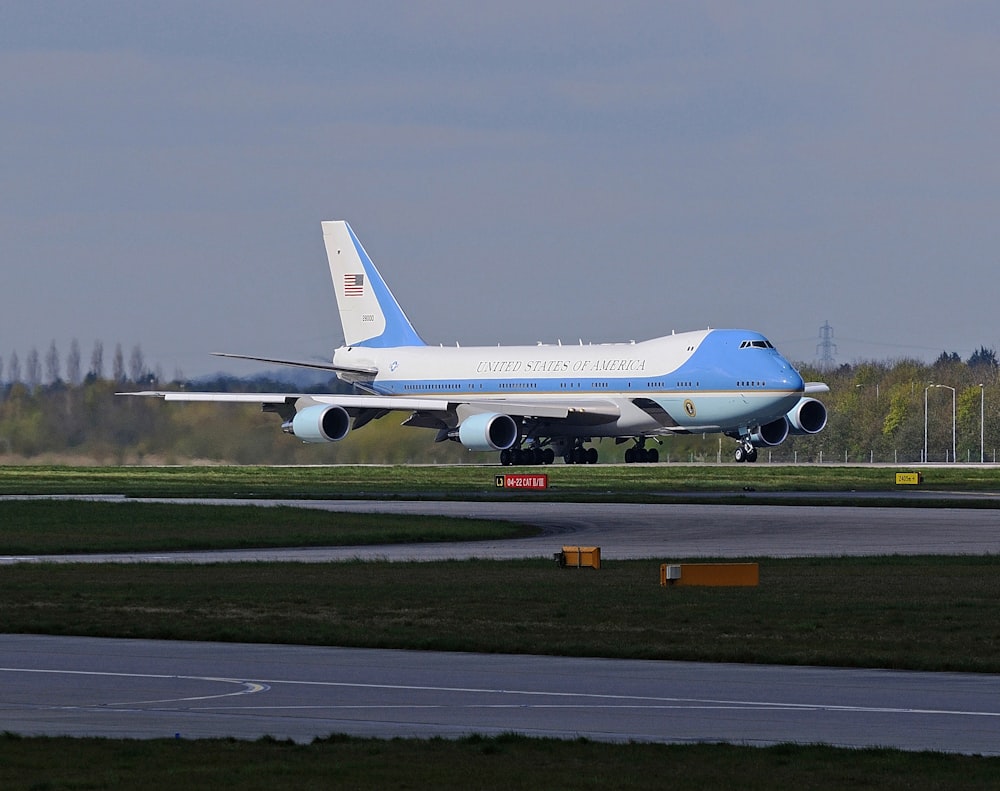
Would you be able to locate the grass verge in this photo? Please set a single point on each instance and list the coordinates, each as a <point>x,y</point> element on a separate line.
<point>65,527</point>
<point>509,763</point>
<point>606,483</point>
<point>899,612</point>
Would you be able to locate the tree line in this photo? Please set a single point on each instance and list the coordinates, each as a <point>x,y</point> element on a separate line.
<point>891,411</point>
<point>51,370</point>
<point>879,411</point>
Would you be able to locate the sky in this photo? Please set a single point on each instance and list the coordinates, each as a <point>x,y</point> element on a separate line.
<point>519,172</point>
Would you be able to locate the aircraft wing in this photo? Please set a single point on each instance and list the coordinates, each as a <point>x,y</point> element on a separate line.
<point>816,387</point>
<point>349,402</point>
<point>581,412</point>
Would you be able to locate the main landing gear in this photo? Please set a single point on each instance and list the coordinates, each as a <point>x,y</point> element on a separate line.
<point>581,455</point>
<point>574,453</point>
<point>640,454</point>
<point>525,456</point>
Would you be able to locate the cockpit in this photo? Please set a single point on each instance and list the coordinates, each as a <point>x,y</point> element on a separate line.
<point>761,343</point>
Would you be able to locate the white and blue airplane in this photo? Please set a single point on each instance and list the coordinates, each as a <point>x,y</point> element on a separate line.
<point>533,403</point>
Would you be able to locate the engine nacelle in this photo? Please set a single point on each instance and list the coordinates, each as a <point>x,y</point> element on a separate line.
<point>807,417</point>
<point>773,433</point>
<point>320,424</point>
<point>488,431</point>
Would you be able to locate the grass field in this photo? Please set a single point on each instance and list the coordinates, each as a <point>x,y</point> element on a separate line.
<point>916,613</point>
<point>506,763</point>
<point>922,613</point>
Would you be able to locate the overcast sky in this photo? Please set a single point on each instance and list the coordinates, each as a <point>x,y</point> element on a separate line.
<point>519,172</point>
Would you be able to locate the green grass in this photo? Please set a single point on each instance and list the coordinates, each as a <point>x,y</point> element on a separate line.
<point>916,613</point>
<point>610,483</point>
<point>510,763</point>
<point>59,526</point>
<point>921,613</point>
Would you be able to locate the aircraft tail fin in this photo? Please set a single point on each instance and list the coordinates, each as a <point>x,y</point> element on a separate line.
<point>369,313</point>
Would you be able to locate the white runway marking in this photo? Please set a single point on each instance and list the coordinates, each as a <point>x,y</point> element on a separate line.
<point>600,701</point>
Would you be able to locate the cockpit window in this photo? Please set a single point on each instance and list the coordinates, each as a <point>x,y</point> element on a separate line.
<point>756,344</point>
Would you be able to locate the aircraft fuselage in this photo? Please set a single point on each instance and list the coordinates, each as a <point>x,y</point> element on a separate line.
<point>707,380</point>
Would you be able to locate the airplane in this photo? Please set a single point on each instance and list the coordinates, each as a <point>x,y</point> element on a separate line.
<point>533,403</point>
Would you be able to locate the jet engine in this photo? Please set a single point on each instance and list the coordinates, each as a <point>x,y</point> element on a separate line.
<point>773,433</point>
<point>320,424</point>
<point>488,431</point>
<point>807,417</point>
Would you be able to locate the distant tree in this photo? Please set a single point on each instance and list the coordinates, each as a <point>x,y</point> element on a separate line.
<point>15,368</point>
<point>983,358</point>
<point>136,365</point>
<point>33,369</point>
<point>97,361</point>
<point>118,365</point>
<point>947,357</point>
<point>52,365</point>
<point>73,364</point>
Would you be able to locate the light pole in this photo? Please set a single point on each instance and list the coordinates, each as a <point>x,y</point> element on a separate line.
<point>982,421</point>
<point>924,459</point>
<point>949,387</point>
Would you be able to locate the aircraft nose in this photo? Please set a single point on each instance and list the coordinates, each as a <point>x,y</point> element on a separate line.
<point>788,376</point>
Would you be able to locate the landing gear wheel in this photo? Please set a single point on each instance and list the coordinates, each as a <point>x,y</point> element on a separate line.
<point>528,456</point>
<point>640,454</point>
<point>580,455</point>
<point>746,451</point>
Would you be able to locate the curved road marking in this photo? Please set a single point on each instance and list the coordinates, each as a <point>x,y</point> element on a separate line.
<point>249,687</point>
<point>600,701</point>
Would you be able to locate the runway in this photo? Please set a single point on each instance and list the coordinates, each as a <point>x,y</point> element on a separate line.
<point>142,689</point>
<point>628,531</point>
<point>138,688</point>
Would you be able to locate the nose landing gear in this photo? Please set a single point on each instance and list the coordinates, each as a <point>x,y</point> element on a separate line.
<point>745,452</point>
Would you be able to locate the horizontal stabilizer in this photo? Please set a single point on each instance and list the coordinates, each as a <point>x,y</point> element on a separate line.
<point>235,398</point>
<point>314,364</point>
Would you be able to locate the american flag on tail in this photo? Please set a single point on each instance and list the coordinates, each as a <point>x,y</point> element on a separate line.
<point>354,285</point>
